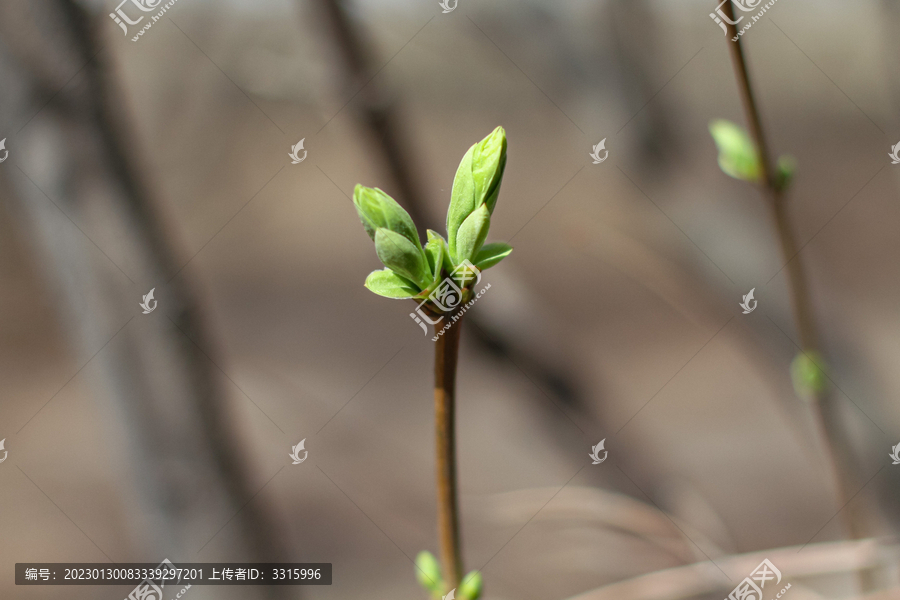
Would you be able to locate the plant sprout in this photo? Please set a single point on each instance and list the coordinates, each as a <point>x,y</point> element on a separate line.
<point>746,156</point>
<point>424,273</point>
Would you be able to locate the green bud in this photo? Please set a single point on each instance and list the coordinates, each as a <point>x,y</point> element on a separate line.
<point>434,251</point>
<point>470,588</point>
<point>448,262</point>
<point>414,271</point>
<point>377,209</point>
<point>390,285</point>
<point>477,182</point>
<point>738,156</point>
<point>402,257</point>
<point>491,254</point>
<point>808,375</point>
<point>428,572</point>
<point>784,174</point>
<point>472,233</point>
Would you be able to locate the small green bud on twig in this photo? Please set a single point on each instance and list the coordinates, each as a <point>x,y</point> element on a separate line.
<point>470,588</point>
<point>428,572</point>
<point>784,174</point>
<point>808,375</point>
<point>739,157</point>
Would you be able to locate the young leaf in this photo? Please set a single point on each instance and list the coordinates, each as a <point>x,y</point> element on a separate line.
<point>488,164</point>
<point>491,254</point>
<point>737,153</point>
<point>472,233</point>
<point>434,251</point>
<point>477,182</point>
<point>428,572</point>
<point>377,209</point>
<point>808,377</point>
<point>402,257</point>
<point>470,588</point>
<point>390,285</point>
<point>447,265</point>
<point>462,198</point>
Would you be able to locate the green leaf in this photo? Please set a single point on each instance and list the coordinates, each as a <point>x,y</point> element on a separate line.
<point>434,251</point>
<point>428,572</point>
<point>787,166</point>
<point>390,285</point>
<point>377,209</point>
<point>448,262</point>
<point>402,257</point>
<point>808,375</point>
<point>491,254</point>
<point>472,233</point>
<point>470,588</point>
<point>438,253</point>
<point>488,164</point>
<point>737,153</point>
<point>477,182</point>
<point>462,198</point>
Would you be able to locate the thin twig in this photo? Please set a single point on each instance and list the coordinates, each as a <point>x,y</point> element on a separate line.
<point>263,532</point>
<point>446,354</point>
<point>827,416</point>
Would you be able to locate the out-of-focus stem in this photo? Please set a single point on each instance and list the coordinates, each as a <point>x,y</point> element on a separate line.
<point>446,354</point>
<point>264,533</point>
<point>828,421</point>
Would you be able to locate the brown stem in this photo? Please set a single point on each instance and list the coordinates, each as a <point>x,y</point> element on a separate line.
<point>826,413</point>
<point>260,527</point>
<point>446,354</point>
<point>800,303</point>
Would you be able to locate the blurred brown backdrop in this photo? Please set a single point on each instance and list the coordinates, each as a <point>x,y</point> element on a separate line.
<point>163,164</point>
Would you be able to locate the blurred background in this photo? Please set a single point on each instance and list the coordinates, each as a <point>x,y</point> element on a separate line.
<point>163,164</point>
